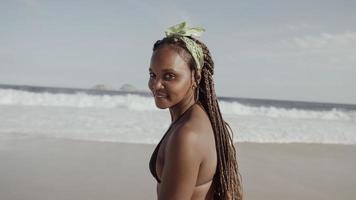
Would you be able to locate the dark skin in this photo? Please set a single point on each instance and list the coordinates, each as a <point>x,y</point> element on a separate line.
<point>186,160</point>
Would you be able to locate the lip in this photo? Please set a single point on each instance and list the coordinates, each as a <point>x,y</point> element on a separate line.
<point>161,95</point>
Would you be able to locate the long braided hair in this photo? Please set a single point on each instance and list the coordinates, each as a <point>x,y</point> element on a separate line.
<point>227,183</point>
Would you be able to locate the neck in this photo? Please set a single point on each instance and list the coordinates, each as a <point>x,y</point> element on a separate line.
<point>178,109</point>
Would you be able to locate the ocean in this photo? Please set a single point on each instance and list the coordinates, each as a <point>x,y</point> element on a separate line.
<point>132,117</point>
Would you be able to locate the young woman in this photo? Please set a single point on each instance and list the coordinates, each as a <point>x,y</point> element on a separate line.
<point>196,157</point>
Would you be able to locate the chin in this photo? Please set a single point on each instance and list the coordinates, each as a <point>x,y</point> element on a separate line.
<point>161,105</point>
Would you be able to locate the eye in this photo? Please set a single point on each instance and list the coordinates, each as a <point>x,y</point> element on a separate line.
<point>169,76</point>
<point>152,75</point>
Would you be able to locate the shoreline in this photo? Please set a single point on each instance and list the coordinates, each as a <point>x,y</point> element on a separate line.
<point>51,168</point>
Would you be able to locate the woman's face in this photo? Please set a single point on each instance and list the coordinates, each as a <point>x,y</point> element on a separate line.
<point>170,77</point>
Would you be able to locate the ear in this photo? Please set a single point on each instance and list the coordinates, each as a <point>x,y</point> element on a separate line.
<point>196,76</point>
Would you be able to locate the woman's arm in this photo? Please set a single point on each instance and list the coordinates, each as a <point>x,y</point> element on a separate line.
<point>182,161</point>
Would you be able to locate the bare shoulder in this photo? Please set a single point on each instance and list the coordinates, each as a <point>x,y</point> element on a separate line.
<point>186,137</point>
<point>186,153</point>
<point>194,134</point>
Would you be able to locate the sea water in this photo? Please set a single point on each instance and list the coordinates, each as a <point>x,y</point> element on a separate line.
<point>133,117</point>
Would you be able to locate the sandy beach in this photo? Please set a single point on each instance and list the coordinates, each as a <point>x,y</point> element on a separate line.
<point>64,169</point>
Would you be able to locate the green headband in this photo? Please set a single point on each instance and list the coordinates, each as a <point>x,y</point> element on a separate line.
<point>181,31</point>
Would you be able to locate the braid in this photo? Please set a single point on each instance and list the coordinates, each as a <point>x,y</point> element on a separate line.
<point>227,183</point>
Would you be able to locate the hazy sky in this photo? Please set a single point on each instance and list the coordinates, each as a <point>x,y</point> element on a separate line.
<point>292,50</point>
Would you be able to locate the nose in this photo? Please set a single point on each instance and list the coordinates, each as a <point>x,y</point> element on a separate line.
<point>156,84</point>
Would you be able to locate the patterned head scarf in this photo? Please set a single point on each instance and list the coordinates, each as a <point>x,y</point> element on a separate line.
<point>181,31</point>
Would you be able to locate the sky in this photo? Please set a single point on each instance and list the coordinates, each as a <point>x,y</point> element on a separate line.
<point>288,50</point>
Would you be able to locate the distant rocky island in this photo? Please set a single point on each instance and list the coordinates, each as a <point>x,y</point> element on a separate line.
<point>124,88</point>
<point>99,89</point>
<point>128,88</point>
<point>102,87</point>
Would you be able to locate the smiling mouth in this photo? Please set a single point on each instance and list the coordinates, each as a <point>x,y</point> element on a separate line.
<point>161,95</point>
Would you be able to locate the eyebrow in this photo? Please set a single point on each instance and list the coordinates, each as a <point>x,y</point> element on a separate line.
<point>164,70</point>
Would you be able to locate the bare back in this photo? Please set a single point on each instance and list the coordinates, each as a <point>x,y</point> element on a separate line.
<point>196,119</point>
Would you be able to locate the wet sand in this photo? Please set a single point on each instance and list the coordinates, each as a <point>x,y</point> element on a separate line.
<point>63,169</point>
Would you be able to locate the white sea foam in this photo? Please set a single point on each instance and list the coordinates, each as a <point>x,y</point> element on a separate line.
<point>135,119</point>
<point>141,103</point>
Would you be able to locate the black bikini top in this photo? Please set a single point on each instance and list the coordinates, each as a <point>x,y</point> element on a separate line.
<point>153,159</point>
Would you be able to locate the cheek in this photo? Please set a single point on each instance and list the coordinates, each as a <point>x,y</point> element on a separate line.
<point>179,89</point>
<point>149,84</point>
